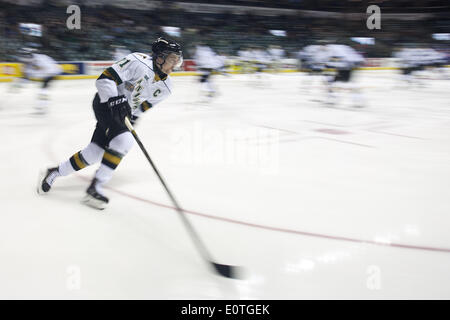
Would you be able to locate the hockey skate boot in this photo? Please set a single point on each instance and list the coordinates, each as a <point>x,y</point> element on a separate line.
<point>93,198</point>
<point>46,179</point>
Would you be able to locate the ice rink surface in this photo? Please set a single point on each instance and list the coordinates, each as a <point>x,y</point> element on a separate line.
<point>315,201</point>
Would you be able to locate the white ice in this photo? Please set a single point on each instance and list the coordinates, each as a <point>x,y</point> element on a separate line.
<point>315,202</point>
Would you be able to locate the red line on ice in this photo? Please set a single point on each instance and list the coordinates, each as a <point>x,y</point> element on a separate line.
<point>47,146</point>
<point>284,230</point>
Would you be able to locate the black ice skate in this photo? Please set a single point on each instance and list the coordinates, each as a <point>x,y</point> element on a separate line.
<point>93,198</point>
<point>46,179</point>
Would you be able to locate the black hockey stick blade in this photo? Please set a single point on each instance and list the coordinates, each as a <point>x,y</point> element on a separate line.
<point>227,271</point>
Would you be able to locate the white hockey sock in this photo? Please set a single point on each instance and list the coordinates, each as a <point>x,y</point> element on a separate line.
<point>65,168</point>
<point>88,156</point>
<point>210,86</point>
<point>206,87</point>
<point>43,99</point>
<point>118,148</point>
<point>332,93</point>
<point>43,93</point>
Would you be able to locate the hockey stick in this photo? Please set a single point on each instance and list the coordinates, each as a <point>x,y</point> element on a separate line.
<point>225,270</point>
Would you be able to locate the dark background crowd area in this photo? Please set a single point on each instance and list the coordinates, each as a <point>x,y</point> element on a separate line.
<point>103,26</point>
<point>391,6</point>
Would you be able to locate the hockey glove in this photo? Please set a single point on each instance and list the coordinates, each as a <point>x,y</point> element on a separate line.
<point>120,108</point>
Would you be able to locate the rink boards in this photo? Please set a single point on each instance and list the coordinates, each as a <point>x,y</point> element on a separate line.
<point>75,70</point>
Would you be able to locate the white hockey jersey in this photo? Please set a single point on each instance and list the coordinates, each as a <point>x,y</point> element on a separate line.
<point>416,57</point>
<point>342,56</point>
<point>134,77</point>
<point>41,66</point>
<point>310,51</point>
<point>276,54</point>
<point>244,55</point>
<point>206,58</point>
<point>260,56</point>
<point>432,56</point>
<point>314,55</point>
<point>405,58</point>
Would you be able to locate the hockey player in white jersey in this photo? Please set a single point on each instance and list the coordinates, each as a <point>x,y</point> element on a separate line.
<point>410,62</point>
<point>432,62</point>
<point>416,63</point>
<point>260,59</point>
<point>244,59</point>
<point>438,61</point>
<point>128,88</point>
<point>38,67</point>
<point>276,54</point>
<point>207,61</point>
<point>344,60</point>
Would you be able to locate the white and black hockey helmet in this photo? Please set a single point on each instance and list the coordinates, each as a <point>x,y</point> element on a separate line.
<point>163,47</point>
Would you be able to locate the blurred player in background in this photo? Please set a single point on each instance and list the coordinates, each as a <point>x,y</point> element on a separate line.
<point>435,62</point>
<point>410,62</point>
<point>313,59</point>
<point>420,63</point>
<point>37,67</point>
<point>207,62</point>
<point>276,54</point>
<point>344,60</point>
<point>254,60</point>
<point>260,60</point>
<point>128,88</point>
<point>244,58</point>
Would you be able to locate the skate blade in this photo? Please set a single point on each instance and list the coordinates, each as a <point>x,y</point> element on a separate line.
<point>93,203</point>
